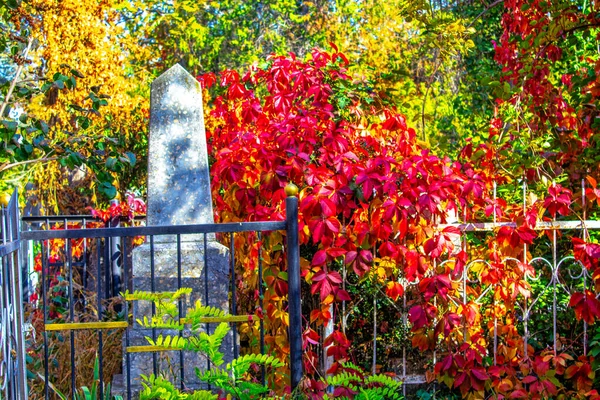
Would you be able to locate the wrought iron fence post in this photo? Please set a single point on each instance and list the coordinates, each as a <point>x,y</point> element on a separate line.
<point>115,262</point>
<point>293,260</point>
<point>13,376</point>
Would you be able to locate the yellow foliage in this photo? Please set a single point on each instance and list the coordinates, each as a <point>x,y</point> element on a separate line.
<point>411,51</point>
<point>86,36</point>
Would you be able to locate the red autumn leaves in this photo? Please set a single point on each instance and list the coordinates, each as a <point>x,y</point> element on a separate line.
<point>370,200</point>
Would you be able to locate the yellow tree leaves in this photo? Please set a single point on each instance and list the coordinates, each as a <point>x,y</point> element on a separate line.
<point>85,36</point>
<point>412,51</point>
<point>85,39</point>
<point>214,35</point>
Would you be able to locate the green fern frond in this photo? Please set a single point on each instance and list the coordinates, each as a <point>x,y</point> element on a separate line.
<point>209,344</point>
<point>380,393</point>
<point>354,367</point>
<point>167,309</point>
<point>219,334</point>
<point>169,342</point>
<point>156,387</point>
<point>159,322</point>
<point>249,389</point>
<point>199,311</point>
<point>213,376</point>
<point>327,397</point>
<point>241,364</point>
<point>181,292</point>
<point>232,379</point>
<point>202,395</point>
<point>199,343</point>
<point>155,296</point>
<point>383,380</point>
<point>344,379</point>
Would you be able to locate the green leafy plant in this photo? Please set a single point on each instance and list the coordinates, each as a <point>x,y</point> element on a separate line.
<point>157,387</point>
<point>234,379</point>
<point>93,392</point>
<point>353,383</point>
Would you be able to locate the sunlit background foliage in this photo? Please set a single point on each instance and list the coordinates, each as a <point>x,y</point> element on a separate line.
<point>386,114</point>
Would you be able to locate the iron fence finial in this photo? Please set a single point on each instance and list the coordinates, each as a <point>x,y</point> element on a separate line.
<point>291,190</point>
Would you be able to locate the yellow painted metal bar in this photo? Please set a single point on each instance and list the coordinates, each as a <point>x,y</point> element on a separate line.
<point>72,326</point>
<point>228,318</point>
<point>149,349</point>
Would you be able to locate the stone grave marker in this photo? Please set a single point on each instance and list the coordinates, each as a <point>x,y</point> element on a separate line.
<point>178,194</point>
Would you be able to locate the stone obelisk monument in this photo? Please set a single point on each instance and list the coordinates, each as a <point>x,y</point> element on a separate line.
<point>178,194</point>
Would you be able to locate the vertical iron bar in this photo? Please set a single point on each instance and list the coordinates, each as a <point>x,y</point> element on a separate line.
<point>114,262</point>
<point>45,254</point>
<point>6,326</point>
<point>295,310</point>
<point>493,298</point>
<point>374,364</point>
<point>84,276</point>
<point>583,270</point>
<point>7,311</point>
<point>554,280</point>
<point>261,305</point>
<point>181,310</point>
<point>404,324</point>
<point>434,323</point>
<point>153,289</point>
<point>107,265</point>
<point>236,350</point>
<point>12,302</point>
<point>4,302</point>
<point>3,277</point>
<point>69,261</point>
<point>206,303</point>
<point>465,275</point>
<point>28,267</point>
<point>525,309</point>
<point>205,259</point>
<point>435,344</point>
<point>99,313</point>
<point>127,354</point>
<point>18,271</point>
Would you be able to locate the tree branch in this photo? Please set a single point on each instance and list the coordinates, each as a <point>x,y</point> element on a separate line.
<point>488,8</point>
<point>8,166</point>
<point>15,79</point>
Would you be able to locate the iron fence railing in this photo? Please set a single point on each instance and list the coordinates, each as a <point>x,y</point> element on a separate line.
<point>556,276</point>
<point>111,276</point>
<point>76,273</point>
<point>13,381</point>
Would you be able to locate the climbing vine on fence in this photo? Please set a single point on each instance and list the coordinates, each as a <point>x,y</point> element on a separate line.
<point>370,204</point>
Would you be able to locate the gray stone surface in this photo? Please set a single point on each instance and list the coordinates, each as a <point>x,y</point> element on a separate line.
<point>178,173</point>
<point>165,256</point>
<point>193,269</point>
<point>178,194</point>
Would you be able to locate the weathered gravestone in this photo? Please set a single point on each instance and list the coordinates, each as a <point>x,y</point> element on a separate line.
<point>178,194</point>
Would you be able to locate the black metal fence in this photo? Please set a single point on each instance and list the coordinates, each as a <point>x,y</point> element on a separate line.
<point>84,269</point>
<point>111,270</point>
<point>13,382</point>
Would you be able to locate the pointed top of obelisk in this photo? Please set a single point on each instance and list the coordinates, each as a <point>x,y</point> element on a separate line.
<point>178,173</point>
